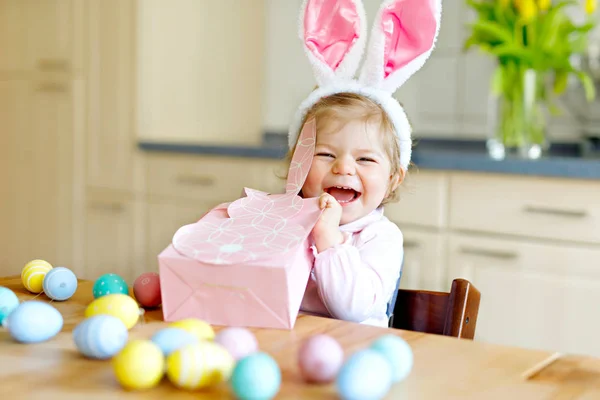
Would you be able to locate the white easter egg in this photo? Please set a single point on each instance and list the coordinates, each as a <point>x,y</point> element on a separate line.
<point>34,322</point>
<point>100,337</point>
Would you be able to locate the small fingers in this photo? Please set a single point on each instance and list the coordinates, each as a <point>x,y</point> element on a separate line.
<point>325,200</point>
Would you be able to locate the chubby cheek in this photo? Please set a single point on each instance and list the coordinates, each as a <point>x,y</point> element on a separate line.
<point>312,184</point>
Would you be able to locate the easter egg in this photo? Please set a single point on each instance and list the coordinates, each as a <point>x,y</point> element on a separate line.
<point>365,375</point>
<point>60,284</point>
<point>320,358</point>
<point>240,342</point>
<point>172,339</point>
<point>100,337</point>
<point>33,275</point>
<point>398,353</point>
<point>118,305</point>
<point>139,365</point>
<point>34,322</point>
<point>146,289</point>
<point>109,284</point>
<point>8,302</point>
<point>200,365</point>
<point>199,328</point>
<point>256,376</point>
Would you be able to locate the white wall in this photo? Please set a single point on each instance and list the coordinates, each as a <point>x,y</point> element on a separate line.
<point>448,97</point>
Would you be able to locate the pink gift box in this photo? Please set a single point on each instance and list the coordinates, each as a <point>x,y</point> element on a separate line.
<point>245,263</point>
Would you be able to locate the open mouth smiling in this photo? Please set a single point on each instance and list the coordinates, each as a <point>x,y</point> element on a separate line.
<point>343,194</point>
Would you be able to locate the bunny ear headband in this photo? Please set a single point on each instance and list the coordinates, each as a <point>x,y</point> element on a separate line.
<point>333,33</point>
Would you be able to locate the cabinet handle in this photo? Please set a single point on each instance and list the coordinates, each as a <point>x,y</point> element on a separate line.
<point>115,208</point>
<point>53,64</point>
<point>555,211</point>
<point>52,87</point>
<point>196,180</point>
<point>504,255</point>
<point>411,244</point>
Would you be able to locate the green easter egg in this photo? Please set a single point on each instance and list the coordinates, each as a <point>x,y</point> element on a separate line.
<point>109,284</point>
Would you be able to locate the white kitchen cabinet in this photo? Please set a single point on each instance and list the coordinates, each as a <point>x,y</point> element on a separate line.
<point>423,200</point>
<point>163,220</point>
<point>110,144</point>
<point>114,236</point>
<point>38,169</point>
<point>13,190</point>
<point>200,70</point>
<point>533,295</point>
<point>534,207</point>
<point>424,260</point>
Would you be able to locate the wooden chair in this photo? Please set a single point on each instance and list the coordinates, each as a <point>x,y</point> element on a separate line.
<point>449,314</point>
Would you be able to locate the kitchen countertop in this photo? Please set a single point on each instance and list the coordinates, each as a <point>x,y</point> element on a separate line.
<point>563,160</point>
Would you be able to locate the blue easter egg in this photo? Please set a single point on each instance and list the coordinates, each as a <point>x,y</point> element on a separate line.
<point>34,322</point>
<point>366,375</point>
<point>100,337</point>
<point>172,339</point>
<point>398,353</point>
<point>256,377</point>
<point>60,283</point>
<point>8,302</point>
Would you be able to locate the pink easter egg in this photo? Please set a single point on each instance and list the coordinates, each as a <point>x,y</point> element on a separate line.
<point>320,358</point>
<point>146,290</point>
<point>240,342</point>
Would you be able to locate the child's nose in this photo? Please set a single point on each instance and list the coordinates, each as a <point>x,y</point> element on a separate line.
<point>344,166</point>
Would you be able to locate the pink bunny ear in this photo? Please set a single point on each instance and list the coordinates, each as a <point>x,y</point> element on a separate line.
<point>333,33</point>
<point>403,37</point>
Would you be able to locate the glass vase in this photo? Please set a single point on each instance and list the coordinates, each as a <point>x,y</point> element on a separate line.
<point>517,125</point>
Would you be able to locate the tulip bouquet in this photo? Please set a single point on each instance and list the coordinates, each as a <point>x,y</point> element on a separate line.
<point>534,43</point>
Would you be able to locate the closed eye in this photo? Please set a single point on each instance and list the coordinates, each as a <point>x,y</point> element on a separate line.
<point>324,155</point>
<point>366,159</point>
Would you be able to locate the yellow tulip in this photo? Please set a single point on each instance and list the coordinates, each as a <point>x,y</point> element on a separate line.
<point>590,6</point>
<point>544,5</point>
<point>527,9</point>
<point>504,3</point>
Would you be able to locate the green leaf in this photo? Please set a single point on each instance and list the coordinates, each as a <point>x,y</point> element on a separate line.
<point>497,81</point>
<point>588,85</point>
<point>513,51</point>
<point>561,79</point>
<point>492,32</point>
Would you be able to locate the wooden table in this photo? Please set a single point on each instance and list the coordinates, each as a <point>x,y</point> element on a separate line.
<point>445,368</point>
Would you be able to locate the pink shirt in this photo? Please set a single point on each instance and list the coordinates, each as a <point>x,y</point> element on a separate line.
<point>355,280</point>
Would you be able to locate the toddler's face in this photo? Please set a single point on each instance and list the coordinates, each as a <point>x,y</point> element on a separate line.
<point>350,164</point>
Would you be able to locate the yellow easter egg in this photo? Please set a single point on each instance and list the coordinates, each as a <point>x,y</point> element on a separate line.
<point>196,327</point>
<point>118,305</point>
<point>200,365</point>
<point>139,365</point>
<point>33,275</point>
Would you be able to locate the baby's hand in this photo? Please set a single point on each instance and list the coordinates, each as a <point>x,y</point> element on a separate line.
<point>327,230</point>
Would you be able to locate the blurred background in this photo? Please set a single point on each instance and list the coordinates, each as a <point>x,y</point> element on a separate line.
<point>122,120</point>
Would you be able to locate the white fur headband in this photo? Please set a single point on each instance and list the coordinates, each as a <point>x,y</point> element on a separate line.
<point>333,33</point>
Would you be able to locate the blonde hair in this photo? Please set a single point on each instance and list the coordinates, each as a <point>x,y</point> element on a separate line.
<point>340,109</point>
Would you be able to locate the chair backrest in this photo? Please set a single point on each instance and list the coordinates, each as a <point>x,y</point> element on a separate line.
<point>448,314</point>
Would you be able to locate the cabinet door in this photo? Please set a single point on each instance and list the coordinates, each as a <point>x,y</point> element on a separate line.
<point>49,32</point>
<point>13,41</point>
<point>200,70</point>
<point>110,136</point>
<point>163,221</point>
<point>38,134</point>
<point>533,295</point>
<point>13,127</point>
<point>424,260</point>
<point>113,231</point>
